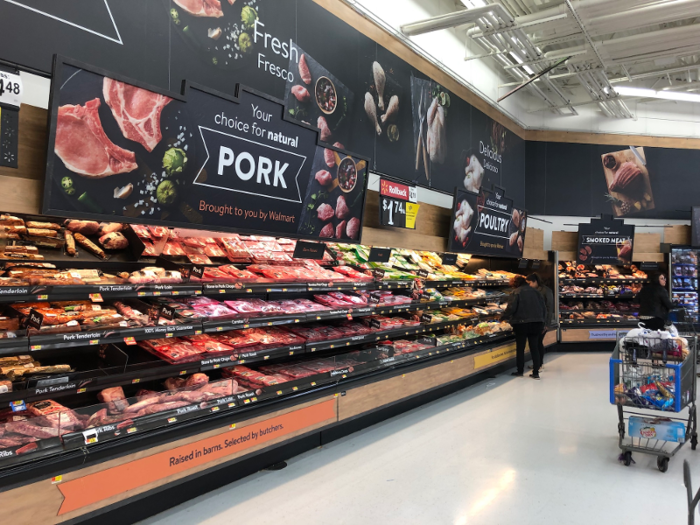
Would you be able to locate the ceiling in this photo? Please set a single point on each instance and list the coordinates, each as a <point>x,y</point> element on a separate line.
<point>609,43</point>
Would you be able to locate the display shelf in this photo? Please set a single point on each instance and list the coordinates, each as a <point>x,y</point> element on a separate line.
<point>598,322</point>
<point>602,280</point>
<point>126,291</point>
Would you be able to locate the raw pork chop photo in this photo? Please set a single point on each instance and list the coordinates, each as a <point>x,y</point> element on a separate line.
<point>136,110</point>
<point>211,8</point>
<point>83,146</point>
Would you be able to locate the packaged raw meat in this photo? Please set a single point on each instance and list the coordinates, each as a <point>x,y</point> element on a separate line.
<point>173,249</point>
<point>212,250</point>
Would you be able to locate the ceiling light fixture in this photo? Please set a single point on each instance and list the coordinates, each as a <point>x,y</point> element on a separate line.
<point>651,93</point>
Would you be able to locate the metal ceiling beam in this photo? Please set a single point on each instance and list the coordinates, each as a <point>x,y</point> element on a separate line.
<point>450,20</point>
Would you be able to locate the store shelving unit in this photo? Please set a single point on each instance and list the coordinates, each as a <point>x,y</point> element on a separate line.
<point>108,358</point>
<point>593,309</point>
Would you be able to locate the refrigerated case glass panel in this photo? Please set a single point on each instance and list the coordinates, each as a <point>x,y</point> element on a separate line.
<point>684,279</point>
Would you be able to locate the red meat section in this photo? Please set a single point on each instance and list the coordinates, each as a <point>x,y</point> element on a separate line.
<point>83,146</point>
<point>136,110</point>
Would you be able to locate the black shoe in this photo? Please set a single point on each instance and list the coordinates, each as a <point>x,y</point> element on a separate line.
<point>535,376</point>
<point>541,368</point>
<point>517,374</point>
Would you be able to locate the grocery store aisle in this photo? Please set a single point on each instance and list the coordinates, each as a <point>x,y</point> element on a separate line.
<point>506,451</point>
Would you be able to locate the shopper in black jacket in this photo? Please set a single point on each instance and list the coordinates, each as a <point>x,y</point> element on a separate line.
<point>654,303</point>
<point>526,312</point>
<point>535,281</point>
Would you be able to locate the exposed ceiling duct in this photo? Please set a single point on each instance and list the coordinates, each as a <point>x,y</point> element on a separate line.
<point>610,42</point>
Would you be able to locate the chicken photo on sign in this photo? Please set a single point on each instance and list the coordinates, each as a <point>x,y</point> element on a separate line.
<point>119,149</point>
<point>430,105</point>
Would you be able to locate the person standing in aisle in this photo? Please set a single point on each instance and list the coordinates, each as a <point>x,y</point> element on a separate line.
<point>535,281</point>
<point>654,304</point>
<point>526,312</point>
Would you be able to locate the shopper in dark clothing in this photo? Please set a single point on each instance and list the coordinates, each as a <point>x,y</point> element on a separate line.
<point>526,312</point>
<point>654,303</point>
<point>535,281</point>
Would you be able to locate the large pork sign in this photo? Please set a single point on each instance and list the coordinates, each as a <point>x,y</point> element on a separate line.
<point>121,150</point>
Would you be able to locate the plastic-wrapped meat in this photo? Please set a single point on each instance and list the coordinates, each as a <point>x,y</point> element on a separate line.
<point>149,250</point>
<point>55,414</point>
<point>197,258</point>
<point>212,250</point>
<point>194,242</point>
<point>321,366</point>
<point>240,338</point>
<point>173,249</point>
<point>352,273</point>
<point>296,372</point>
<point>180,353</point>
<point>352,299</point>
<point>174,383</point>
<point>145,394</point>
<point>158,232</point>
<point>140,405</point>
<point>114,398</point>
<point>196,380</point>
<point>26,428</point>
<point>141,231</point>
<point>216,310</point>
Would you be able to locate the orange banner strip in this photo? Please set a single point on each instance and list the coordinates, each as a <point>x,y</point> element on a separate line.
<point>102,485</point>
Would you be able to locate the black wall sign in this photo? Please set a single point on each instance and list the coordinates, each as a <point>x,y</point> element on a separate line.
<point>380,255</point>
<point>201,160</point>
<point>646,182</point>
<point>35,319</point>
<point>449,259</point>
<point>487,224</point>
<point>284,48</point>
<point>309,250</point>
<point>649,266</point>
<point>605,241</point>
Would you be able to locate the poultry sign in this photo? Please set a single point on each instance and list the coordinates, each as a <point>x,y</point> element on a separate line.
<point>487,224</point>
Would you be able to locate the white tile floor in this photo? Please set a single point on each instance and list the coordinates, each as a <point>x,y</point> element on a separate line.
<point>505,451</point>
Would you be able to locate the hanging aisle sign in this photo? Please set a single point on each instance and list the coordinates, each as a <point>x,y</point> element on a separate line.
<point>120,150</point>
<point>605,241</point>
<point>398,205</point>
<point>487,223</point>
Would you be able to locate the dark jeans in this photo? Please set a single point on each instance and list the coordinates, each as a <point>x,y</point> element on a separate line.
<point>540,346</point>
<point>530,333</point>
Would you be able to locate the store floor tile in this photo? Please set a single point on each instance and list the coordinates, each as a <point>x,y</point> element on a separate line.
<point>505,451</point>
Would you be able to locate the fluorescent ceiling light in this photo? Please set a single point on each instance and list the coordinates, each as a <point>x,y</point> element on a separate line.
<point>474,3</point>
<point>650,93</point>
<point>519,61</point>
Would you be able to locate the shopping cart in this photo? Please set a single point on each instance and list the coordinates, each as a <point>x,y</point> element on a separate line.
<point>654,371</point>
